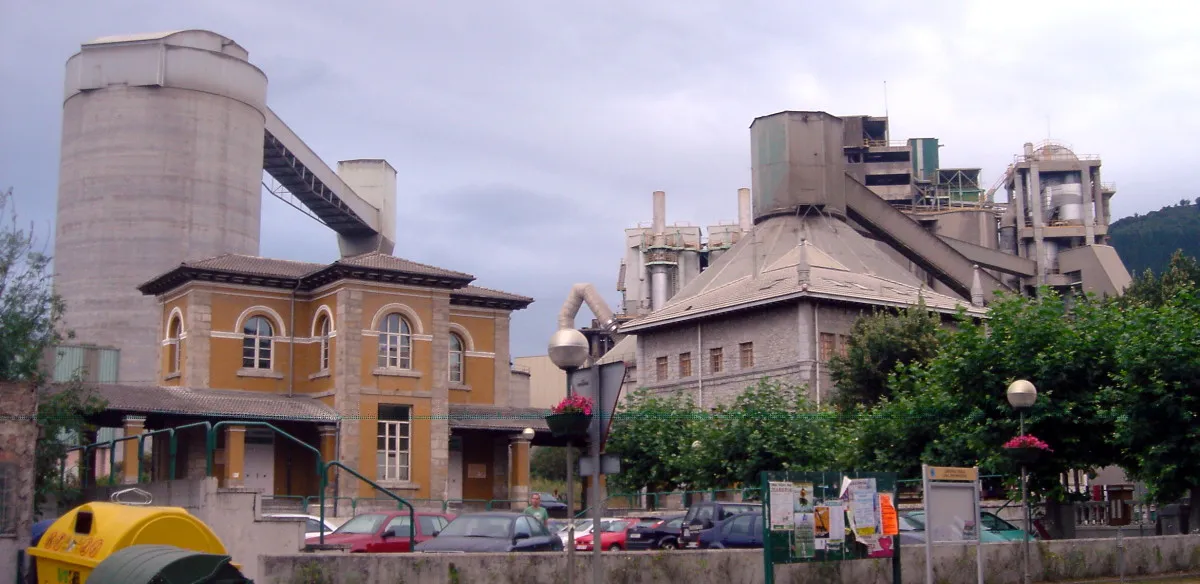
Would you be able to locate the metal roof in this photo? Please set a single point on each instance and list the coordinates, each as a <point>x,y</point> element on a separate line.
<point>214,403</point>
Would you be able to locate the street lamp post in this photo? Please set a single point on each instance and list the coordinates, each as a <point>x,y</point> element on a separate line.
<point>1022,395</point>
<point>568,351</point>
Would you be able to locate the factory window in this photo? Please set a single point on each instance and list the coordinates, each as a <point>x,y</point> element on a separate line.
<point>660,368</point>
<point>256,343</point>
<point>324,329</point>
<point>828,345</point>
<point>395,343</point>
<point>685,364</point>
<point>392,443</point>
<point>174,334</point>
<point>746,352</point>
<point>715,359</point>
<point>843,345</point>
<point>456,358</point>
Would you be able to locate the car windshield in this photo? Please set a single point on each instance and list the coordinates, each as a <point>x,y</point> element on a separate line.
<point>478,526</point>
<point>363,524</point>
<point>649,522</point>
<point>613,526</point>
<point>583,525</point>
<point>548,498</point>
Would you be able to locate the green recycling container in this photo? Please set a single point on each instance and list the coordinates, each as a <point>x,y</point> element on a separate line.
<point>165,564</point>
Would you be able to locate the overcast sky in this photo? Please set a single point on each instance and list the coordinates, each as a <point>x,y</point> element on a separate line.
<point>528,134</point>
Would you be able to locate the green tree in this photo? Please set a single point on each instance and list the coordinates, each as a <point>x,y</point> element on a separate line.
<point>877,344</point>
<point>653,435</point>
<point>30,323</point>
<point>1152,289</point>
<point>1156,399</point>
<point>769,426</point>
<point>550,463</point>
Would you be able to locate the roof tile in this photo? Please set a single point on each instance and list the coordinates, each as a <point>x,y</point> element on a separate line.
<point>213,403</point>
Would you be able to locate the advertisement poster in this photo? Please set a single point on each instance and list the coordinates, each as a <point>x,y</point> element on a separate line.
<point>837,523</point>
<point>803,540</point>
<point>888,520</point>
<point>783,503</point>
<point>804,496</point>
<point>821,522</point>
<point>864,507</point>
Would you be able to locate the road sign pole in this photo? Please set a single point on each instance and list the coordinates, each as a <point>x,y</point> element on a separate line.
<point>597,508</point>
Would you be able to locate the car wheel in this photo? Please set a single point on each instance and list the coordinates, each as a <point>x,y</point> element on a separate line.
<point>716,546</point>
<point>668,544</point>
<point>616,547</point>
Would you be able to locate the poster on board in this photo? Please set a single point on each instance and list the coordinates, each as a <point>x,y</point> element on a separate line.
<point>863,499</point>
<point>803,538</point>
<point>783,504</point>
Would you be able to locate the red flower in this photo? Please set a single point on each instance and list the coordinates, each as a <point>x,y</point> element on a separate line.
<point>1028,441</point>
<point>574,404</point>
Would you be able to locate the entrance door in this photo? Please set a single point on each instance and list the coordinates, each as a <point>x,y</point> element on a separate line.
<point>260,460</point>
<point>455,470</point>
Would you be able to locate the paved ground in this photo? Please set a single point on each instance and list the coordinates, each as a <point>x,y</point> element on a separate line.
<point>1190,579</point>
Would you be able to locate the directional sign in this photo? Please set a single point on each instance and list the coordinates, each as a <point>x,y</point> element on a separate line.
<point>612,377</point>
<point>609,464</point>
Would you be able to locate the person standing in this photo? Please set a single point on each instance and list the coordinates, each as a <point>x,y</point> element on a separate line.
<point>535,509</point>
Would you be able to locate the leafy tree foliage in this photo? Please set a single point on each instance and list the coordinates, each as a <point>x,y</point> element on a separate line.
<point>30,323</point>
<point>551,463</point>
<point>876,345</point>
<point>1152,289</point>
<point>653,434</point>
<point>1148,241</point>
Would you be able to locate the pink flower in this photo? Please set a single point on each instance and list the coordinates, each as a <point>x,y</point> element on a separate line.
<point>574,404</point>
<point>1028,441</point>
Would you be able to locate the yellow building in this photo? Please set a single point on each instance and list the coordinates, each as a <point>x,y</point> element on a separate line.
<point>400,370</point>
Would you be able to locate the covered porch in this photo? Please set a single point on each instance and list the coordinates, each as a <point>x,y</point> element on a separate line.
<point>183,433</point>
<point>488,464</point>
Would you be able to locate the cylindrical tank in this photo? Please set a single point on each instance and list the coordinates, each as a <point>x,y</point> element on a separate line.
<point>1050,257</point>
<point>1008,238</point>
<point>658,286</point>
<point>162,145</point>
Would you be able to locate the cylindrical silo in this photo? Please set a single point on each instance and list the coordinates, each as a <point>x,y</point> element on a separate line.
<point>161,163</point>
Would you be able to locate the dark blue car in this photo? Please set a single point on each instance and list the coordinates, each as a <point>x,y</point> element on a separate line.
<point>741,531</point>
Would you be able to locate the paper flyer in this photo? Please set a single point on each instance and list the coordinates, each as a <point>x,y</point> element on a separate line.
<point>803,540</point>
<point>888,520</point>
<point>837,523</point>
<point>804,496</point>
<point>864,507</point>
<point>821,522</point>
<point>783,496</point>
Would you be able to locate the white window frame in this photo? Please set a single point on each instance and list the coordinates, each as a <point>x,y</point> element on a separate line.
<point>174,343</point>
<point>259,343</point>
<point>388,460</point>
<point>457,357</point>
<point>325,327</point>
<point>395,342</point>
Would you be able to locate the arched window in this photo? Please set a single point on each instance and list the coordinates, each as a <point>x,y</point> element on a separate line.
<point>174,334</point>
<point>395,343</point>
<point>456,358</point>
<point>256,343</point>
<point>324,327</point>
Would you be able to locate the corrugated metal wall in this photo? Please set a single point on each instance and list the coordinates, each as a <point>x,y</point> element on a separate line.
<point>87,363</point>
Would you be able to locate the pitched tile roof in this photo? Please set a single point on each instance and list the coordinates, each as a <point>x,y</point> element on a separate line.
<point>480,417</point>
<point>380,261</point>
<point>213,403</point>
<point>791,257</point>
<point>480,296</point>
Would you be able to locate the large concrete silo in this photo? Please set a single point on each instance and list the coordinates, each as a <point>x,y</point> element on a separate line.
<point>162,148</point>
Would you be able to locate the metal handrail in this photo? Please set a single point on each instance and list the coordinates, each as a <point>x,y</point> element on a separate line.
<point>412,513</point>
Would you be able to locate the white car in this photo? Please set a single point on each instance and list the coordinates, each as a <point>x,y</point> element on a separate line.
<point>312,523</point>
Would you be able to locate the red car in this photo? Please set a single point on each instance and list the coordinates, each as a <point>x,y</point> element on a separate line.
<point>613,535</point>
<point>384,532</point>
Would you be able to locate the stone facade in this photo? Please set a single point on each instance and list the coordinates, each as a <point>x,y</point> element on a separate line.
<point>786,344</point>
<point>18,439</point>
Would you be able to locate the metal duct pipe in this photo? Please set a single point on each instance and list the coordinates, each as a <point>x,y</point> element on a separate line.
<point>745,210</point>
<point>660,215</point>
<point>658,286</point>
<point>585,293</point>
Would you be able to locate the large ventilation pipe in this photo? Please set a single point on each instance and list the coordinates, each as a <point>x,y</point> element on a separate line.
<point>658,272</point>
<point>579,295</point>
<point>745,211</point>
<point>660,215</point>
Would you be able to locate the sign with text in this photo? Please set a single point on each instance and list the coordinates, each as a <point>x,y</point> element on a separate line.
<point>953,473</point>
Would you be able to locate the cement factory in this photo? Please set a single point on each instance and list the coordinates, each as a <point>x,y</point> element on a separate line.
<point>167,137</point>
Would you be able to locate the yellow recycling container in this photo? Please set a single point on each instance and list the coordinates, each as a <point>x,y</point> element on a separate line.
<point>85,536</point>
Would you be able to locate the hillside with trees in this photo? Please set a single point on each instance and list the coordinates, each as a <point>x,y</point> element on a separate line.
<point>1148,241</point>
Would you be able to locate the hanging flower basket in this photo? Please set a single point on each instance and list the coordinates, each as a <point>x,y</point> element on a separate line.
<point>1026,449</point>
<point>571,417</point>
<point>572,425</point>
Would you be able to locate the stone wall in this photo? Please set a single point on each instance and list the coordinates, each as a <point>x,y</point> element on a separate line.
<point>18,439</point>
<point>1052,561</point>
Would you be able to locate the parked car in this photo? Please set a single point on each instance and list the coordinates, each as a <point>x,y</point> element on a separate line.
<point>703,516</point>
<point>613,536</point>
<point>995,529</point>
<point>385,532</point>
<point>741,531</point>
<point>312,524</point>
<point>496,531</point>
<point>554,507</point>
<point>655,533</point>
<point>582,528</point>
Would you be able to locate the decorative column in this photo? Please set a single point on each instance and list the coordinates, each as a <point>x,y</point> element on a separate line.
<point>518,490</point>
<point>134,425</point>
<point>235,456</point>
<point>195,349</point>
<point>348,355</point>
<point>328,449</point>
<point>439,424</point>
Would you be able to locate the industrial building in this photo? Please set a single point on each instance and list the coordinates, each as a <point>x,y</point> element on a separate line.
<point>956,243</point>
<point>393,367</point>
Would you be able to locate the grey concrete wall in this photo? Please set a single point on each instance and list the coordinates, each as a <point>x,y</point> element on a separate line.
<point>786,346</point>
<point>18,439</point>
<point>235,516</point>
<point>1053,561</point>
